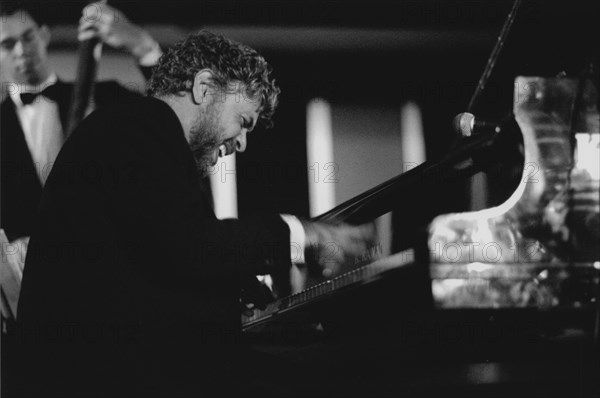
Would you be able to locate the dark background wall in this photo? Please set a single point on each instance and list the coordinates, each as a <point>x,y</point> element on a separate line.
<point>362,54</point>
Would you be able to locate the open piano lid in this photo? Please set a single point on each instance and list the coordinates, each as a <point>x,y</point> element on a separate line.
<point>547,39</point>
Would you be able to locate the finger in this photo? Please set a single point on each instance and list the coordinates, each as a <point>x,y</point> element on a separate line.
<point>103,30</point>
<point>245,310</point>
<point>330,269</point>
<point>106,18</point>
<point>84,20</point>
<point>89,34</point>
<point>86,25</point>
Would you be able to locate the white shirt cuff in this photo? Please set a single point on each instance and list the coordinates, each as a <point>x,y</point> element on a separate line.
<point>151,57</point>
<point>297,238</point>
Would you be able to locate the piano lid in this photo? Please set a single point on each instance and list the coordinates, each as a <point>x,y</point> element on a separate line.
<point>547,38</point>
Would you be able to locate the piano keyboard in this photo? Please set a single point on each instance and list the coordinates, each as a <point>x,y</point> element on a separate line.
<point>361,275</point>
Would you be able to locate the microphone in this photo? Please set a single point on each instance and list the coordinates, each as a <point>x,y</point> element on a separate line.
<point>466,124</point>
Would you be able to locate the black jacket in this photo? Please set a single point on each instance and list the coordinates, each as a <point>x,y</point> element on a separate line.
<point>21,188</point>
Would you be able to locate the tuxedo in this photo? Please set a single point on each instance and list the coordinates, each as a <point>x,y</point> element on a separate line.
<point>131,284</point>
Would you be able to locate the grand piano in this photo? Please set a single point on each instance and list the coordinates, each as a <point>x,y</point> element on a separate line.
<point>503,301</point>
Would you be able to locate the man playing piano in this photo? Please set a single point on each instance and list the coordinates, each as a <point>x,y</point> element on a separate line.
<point>132,286</point>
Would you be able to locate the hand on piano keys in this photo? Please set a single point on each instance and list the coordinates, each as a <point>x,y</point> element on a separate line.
<point>255,295</point>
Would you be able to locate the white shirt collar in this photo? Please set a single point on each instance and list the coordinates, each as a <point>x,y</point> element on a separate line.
<point>26,88</point>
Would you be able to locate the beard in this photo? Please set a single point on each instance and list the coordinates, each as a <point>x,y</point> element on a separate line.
<point>204,140</point>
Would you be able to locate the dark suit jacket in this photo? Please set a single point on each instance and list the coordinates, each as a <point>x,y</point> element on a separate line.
<point>131,284</point>
<point>21,187</point>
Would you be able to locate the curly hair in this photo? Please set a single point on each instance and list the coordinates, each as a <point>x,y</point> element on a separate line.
<point>229,62</point>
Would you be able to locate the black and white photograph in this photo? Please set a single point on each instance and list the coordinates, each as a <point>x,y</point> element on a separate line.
<point>299,198</point>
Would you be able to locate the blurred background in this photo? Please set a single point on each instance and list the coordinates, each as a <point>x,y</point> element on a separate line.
<point>369,88</point>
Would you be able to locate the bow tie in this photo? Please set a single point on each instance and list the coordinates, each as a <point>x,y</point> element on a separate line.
<point>50,92</point>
